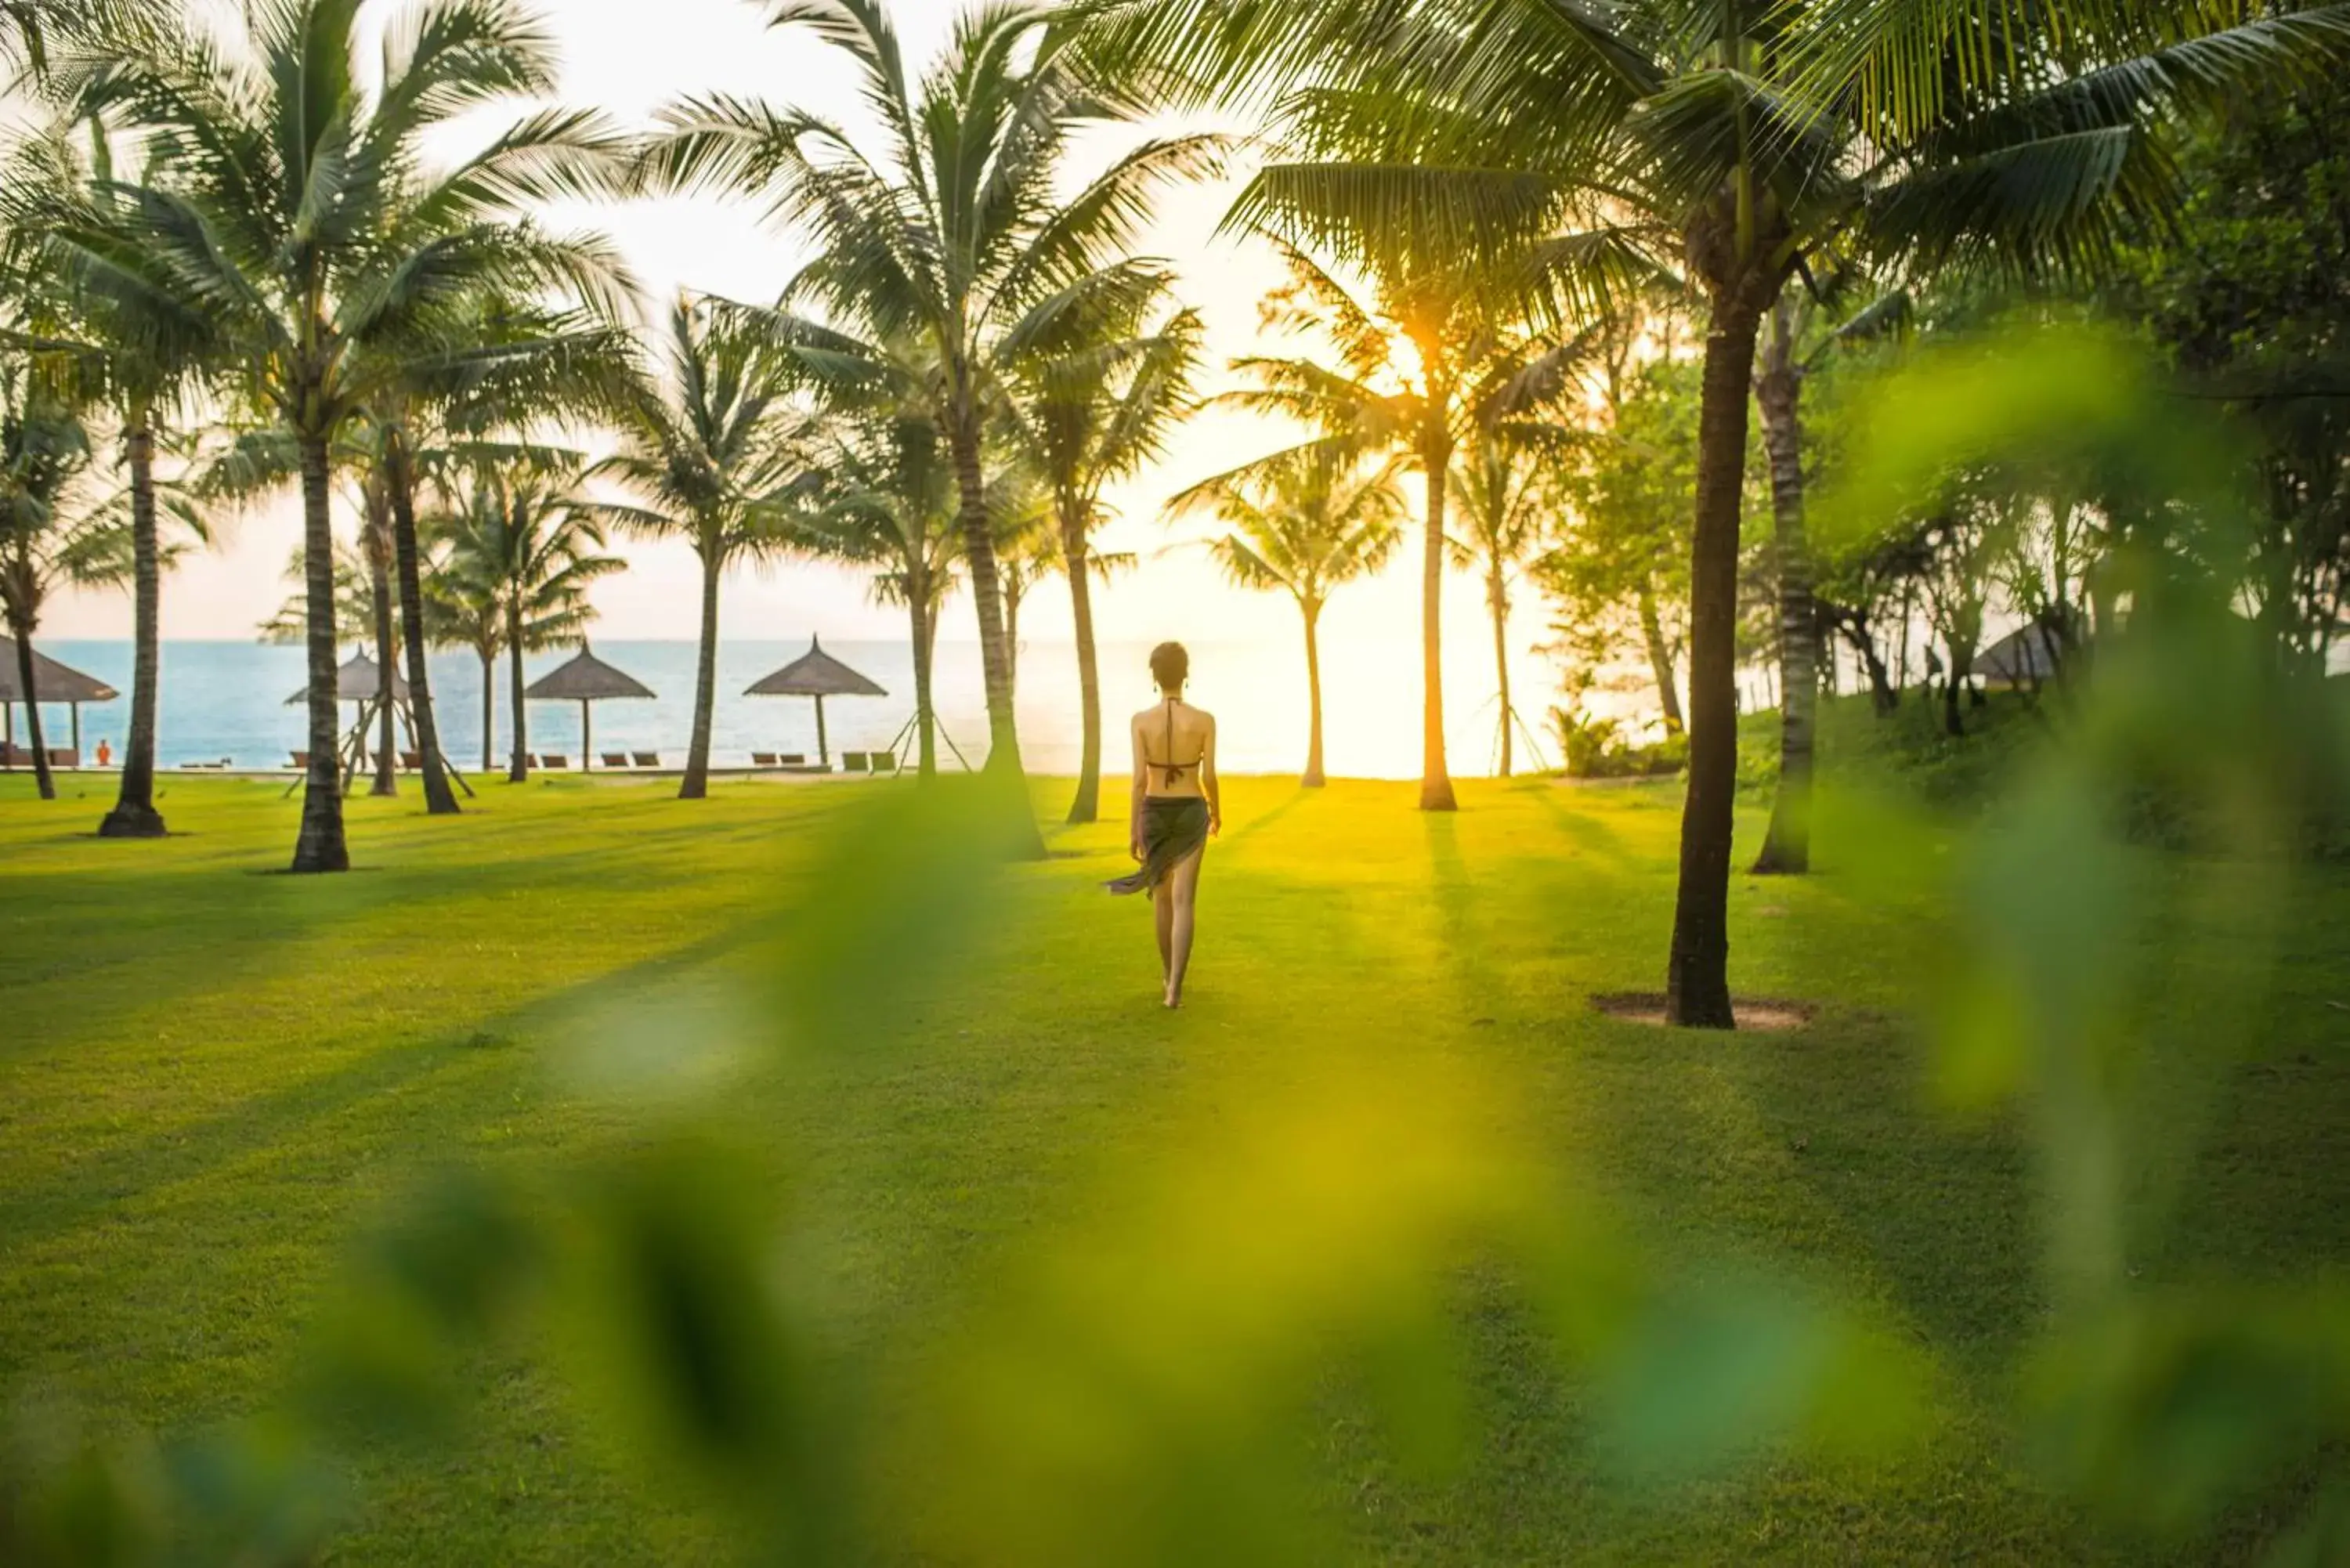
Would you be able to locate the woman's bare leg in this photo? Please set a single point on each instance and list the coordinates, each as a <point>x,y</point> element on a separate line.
<point>1162,912</point>
<point>1177,895</point>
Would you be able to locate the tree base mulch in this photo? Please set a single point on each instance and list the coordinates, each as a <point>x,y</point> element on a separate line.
<point>1755,1016</point>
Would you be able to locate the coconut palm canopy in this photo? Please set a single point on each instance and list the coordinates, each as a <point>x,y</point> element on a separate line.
<point>816,673</point>
<point>584,678</point>
<point>358,680</point>
<point>55,682</point>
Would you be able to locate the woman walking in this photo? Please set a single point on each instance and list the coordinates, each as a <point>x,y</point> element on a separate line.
<point>1175,809</point>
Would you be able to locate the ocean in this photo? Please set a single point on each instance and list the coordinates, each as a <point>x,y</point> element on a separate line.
<point>228,700</point>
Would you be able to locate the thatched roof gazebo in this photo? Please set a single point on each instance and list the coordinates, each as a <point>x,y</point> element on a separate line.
<point>584,679</point>
<point>52,683</point>
<point>817,674</point>
<point>358,680</point>
<point>2028,656</point>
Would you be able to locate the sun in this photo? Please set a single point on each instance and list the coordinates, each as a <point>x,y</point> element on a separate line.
<point>1405,370</point>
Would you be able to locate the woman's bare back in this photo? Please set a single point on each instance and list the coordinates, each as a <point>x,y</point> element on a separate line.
<point>1175,743</point>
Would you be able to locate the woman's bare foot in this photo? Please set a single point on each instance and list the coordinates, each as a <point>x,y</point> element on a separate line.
<point>1173,998</point>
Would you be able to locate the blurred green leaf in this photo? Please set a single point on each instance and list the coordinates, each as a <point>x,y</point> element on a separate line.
<point>2163,1411</point>
<point>690,1339</point>
<point>1718,1371</point>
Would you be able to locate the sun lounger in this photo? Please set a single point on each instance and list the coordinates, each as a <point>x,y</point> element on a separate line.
<point>412,761</point>
<point>762,759</point>
<point>885,761</point>
<point>646,758</point>
<point>64,757</point>
<point>794,760</point>
<point>554,760</point>
<point>301,761</point>
<point>614,759</point>
<point>855,762</point>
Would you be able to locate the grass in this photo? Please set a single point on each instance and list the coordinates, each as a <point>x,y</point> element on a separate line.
<point>210,1076</point>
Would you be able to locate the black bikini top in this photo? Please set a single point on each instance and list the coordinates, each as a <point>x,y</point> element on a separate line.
<point>1174,770</point>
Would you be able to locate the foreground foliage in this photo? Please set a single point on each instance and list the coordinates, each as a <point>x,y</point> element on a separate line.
<point>1449,1267</point>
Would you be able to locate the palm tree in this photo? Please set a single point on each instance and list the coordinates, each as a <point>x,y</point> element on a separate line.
<point>1092,408</point>
<point>28,28</point>
<point>142,358</point>
<point>376,547</point>
<point>256,464</point>
<point>354,602</point>
<point>1785,362</point>
<point>462,611</point>
<point>1026,553</point>
<point>1433,359</point>
<point>1739,141</point>
<point>888,503</point>
<point>1504,491</point>
<point>516,551</point>
<point>287,200</point>
<point>1305,521</point>
<point>962,234</point>
<point>53,531</point>
<point>716,459</point>
<point>527,364</point>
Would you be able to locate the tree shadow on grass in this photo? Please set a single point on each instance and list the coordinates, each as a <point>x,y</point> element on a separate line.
<point>123,946</point>
<point>1268,818</point>
<point>1585,830</point>
<point>85,1187</point>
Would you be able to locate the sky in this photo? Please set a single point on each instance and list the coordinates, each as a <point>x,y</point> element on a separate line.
<point>630,58</point>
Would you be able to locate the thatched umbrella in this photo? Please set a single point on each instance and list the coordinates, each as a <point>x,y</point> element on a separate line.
<point>584,679</point>
<point>817,674</point>
<point>357,680</point>
<point>52,683</point>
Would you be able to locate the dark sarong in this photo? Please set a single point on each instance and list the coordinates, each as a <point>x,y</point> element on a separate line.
<point>1173,828</point>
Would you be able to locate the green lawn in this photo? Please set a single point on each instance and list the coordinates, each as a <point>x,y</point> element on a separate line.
<point>210,1076</point>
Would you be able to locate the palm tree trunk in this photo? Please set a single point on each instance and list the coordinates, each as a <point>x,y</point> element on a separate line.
<point>917,614</point>
<point>1497,598</point>
<point>1087,805</point>
<point>42,779</point>
<point>1313,617</point>
<point>134,815</point>
<point>1435,781</point>
<point>987,597</point>
<point>1778,391</point>
<point>705,684</point>
<point>439,800</point>
<point>386,662</point>
<point>1961,671</point>
<point>319,846</point>
<point>489,708</point>
<point>518,766</point>
<point>1013,594</point>
<point>1660,661</point>
<point>1697,978</point>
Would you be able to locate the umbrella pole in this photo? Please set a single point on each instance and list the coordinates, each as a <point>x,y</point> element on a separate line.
<point>587,741</point>
<point>823,747</point>
<point>8,714</point>
<point>75,709</point>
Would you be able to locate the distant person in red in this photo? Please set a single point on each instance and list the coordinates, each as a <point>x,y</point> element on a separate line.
<point>104,753</point>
